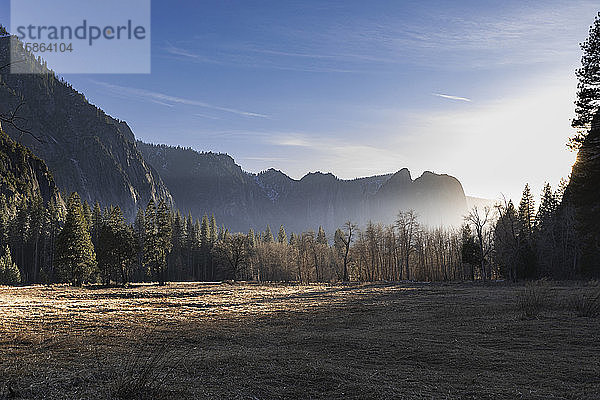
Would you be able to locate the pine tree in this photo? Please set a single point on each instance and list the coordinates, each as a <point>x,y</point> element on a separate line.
<point>321,237</point>
<point>176,259</point>
<point>548,207</point>
<point>189,233</point>
<point>527,263</point>
<point>281,236</point>
<point>546,233</point>
<point>293,239</point>
<point>527,213</point>
<point>139,229</point>
<point>4,219</point>
<point>75,256</point>
<point>96,222</point>
<point>178,238</point>
<point>116,249</point>
<point>506,241</point>
<point>20,231</point>
<point>9,272</point>
<point>205,233</point>
<point>214,230</point>
<point>205,247</point>
<point>194,248</point>
<point>469,256</point>
<point>87,214</point>
<point>52,222</point>
<point>164,237</point>
<point>224,233</point>
<point>125,246</point>
<point>251,238</point>
<point>151,251</point>
<point>36,238</point>
<point>214,235</point>
<point>268,236</point>
<point>588,87</point>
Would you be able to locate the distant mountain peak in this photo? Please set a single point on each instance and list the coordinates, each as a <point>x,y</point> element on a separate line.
<point>403,174</point>
<point>319,176</point>
<point>272,172</point>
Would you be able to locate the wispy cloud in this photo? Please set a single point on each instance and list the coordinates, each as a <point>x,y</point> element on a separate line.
<point>184,53</point>
<point>521,34</point>
<point>254,57</point>
<point>293,140</point>
<point>447,96</point>
<point>169,101</point>
<point>206,116</point>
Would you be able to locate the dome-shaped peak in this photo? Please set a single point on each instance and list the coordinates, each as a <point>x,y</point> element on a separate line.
<point>402,175</point>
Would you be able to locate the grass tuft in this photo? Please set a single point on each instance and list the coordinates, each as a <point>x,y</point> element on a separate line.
<point>144,373</point>
<point>531,301</point>
<point>586,304</point>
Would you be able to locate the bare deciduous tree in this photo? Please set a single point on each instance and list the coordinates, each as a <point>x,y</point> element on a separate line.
<point>349,229</point>
<point>233,250</point>
<point>12,118</point>
<point>408,226</point>
<point>481,223</point>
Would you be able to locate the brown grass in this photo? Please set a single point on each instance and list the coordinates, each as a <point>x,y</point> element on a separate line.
<point>587,303</point>
<point>532,300</point>
<point>200,341</point>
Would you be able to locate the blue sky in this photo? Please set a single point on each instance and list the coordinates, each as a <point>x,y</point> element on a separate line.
<point>479,90</point>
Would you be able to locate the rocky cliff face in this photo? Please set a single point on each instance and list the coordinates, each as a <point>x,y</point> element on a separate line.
<point>23,175</point>
<point>86,150</point>
<point>439,199</point>
<point>213,183</point>
<point>208,183</point>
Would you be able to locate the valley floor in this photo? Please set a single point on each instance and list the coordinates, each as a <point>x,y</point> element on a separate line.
<point>248,341</point>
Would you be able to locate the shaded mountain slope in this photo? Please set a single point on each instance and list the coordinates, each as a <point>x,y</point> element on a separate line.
<point>86,150</point>
<point>208,183</point>
<point>22,174</point>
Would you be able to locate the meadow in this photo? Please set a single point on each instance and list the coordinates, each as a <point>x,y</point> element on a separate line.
<point>281,341</point>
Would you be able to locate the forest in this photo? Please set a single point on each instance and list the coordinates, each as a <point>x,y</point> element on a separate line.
<point>83,244</point>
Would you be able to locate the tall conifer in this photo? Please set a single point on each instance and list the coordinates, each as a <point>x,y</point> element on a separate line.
<point>75,256</point>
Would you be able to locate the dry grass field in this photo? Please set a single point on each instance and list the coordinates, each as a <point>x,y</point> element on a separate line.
<point>246,341</point>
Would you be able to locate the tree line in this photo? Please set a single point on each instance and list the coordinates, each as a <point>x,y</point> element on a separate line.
<point>47,243</point>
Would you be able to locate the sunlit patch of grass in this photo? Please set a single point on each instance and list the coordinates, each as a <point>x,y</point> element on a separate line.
<point>274,341</point>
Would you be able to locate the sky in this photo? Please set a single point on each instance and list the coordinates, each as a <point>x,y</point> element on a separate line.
<point>479,90</point>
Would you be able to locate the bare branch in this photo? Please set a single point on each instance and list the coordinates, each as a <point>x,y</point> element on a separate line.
<point>11,63</point>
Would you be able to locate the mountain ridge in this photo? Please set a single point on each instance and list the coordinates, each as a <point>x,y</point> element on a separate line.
<point>244,200</point>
